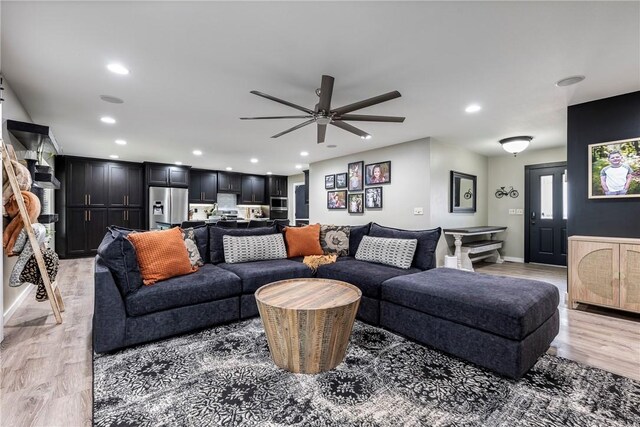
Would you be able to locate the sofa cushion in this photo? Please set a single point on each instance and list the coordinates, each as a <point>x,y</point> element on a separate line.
<point>253,248</point>
<point>394,252</point>
<point>334,239</point>
<point>355,236</point>
<point>424,258</point>
<point>119,255</point>
<point>365,275</point>
<point>191,244</point>
<point>216,245</point>
<point>303,241</point>
<point>257,273</point>
<point>201,234</point>
<point>506,306</point>
<point>209,283</point>
<point>161,254</point>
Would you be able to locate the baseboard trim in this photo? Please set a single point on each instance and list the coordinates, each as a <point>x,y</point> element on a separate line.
<point>513,259</point>
<point>16,304</point>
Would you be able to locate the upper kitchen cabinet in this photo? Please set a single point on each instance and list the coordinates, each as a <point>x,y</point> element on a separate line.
<point>86,182</point>
<point>167,175</point>
<point>125,184</point>
<point>229,182</point>
<point>253,190</point>
<point>277,186</point>
<point>203,186</point>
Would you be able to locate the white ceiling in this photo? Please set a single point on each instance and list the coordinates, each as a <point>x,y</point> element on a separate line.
<point>193,65</point>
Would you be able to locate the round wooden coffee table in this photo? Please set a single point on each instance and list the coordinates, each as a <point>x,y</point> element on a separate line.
<point>308,322</point>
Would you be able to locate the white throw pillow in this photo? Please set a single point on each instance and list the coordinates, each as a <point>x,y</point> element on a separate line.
<point>395,252</point>
<point>253,248</point>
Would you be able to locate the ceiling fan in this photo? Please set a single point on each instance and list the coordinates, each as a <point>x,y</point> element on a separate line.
<point>323,115</point>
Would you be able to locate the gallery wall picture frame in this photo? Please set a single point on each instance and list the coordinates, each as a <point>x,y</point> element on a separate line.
<point>356,175</point>
<point>356,203</point>
<point>329,182</point>
<point>377,173</point>
<point>341,180</point>
<point>614,169</point>
<point>337,199</point>
<point>373,197</point>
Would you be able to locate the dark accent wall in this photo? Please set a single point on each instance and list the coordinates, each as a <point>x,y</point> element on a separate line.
<point>605,120</point>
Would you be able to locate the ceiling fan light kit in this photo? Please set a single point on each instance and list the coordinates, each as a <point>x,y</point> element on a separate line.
<point>515,144</point>
<point>323,115</point>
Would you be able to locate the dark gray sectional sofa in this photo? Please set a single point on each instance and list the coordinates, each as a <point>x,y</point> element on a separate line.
<point>503,324</point>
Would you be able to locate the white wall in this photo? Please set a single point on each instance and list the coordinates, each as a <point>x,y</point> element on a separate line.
<point>506,171</point>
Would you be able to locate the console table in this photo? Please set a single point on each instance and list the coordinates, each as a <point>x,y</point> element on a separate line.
<point>467,253</point>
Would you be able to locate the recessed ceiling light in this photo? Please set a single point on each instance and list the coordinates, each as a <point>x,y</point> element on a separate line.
<point>366,137</point>
<point>114,156</point>
<point>111,99</point>
<point>121,142</point>
<point>197,153</point>
<point>304,153</point>
<point>109,120</point>
<point>229,168</point>
<point>254,160</point>
<point>568,81</point>
<point>118,69</point>
<point>331,146</point>
<point>178,163</point>
<point>473,108</point>
<point>298,166</point>
<point>269,173</point>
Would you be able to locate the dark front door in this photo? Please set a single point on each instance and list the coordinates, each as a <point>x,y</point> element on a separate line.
<point>546,213</point>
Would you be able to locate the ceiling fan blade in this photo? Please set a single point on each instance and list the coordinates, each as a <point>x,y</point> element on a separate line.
<point>368,118</point>
<point>326,91</point>
<point>276,117</point>
<point>352,129</point>
<point>367,103</point>
<point>322,131</point>
<point>281,101</point>
<point>308,122</point>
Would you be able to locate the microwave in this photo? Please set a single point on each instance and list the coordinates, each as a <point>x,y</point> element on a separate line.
<point>279,204</point>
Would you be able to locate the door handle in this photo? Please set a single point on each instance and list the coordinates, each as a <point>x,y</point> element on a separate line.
<point>86,217</point>
<point>124,200</point>
<point>127,200</point>
<point>533,217</point>
<point>124,216</point>
<point>127,212</point>
<point>85,200</point>
<point>89,203</point>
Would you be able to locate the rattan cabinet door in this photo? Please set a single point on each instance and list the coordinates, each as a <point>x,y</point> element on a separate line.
<point>595,273</point>
<point>630,277</point>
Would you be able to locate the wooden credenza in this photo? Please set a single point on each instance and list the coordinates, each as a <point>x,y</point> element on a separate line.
<point>604,271</point>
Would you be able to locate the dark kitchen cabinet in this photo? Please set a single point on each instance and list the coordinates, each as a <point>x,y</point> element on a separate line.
<point>229,182</point>
<point>277,186</point>
<point>253,190</point>
<point>123,217</point>
<point>203,186</point>
<point>87,183</point>
<point>85,230</point>
<point>166,175</point>
<point>125,185</point>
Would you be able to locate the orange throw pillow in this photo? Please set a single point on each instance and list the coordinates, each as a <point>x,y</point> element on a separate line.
<point>161,255</point>
<point>303,241</point>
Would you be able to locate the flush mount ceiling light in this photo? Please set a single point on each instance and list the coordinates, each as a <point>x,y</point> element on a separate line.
<point>118,69</point>
<point>331,146</point>
<point>108,120</point>
<point>298,166</point>
<point>254,160</point>
<point>197,153</point>
<point>229,168</point>
<point>568,81</point>
<point>121,142</point>
<point>304,153</point>
<point>473,108</point>
<point>114,156</point>
<point>515,144</point>
<point>111,99</point>
<point>269,173</point>
<point>178,163</point>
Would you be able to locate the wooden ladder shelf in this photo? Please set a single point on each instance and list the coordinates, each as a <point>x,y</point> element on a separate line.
<point>53,291</point>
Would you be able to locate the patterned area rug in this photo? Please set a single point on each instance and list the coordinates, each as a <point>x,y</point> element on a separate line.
<point>224,376</point>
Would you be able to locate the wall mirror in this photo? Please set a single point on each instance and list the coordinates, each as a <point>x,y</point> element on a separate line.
<point>463,192</point>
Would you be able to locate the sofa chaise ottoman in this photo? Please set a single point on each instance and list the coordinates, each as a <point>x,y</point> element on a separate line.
<point>501,323</point>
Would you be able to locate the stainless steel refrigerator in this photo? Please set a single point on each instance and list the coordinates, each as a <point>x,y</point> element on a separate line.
<point>167,207</point>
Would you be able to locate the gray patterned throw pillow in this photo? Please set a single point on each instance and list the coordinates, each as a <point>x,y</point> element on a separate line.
<point>253,248</point>
<point>395,252</point>
<point>190,242</point>
<point>334,239</point>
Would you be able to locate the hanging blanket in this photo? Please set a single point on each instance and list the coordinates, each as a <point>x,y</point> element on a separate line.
<point>315,261</point>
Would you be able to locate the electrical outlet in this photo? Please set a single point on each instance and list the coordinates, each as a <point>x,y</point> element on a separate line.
<point>512,211</point>
<point>418,211</point>
<point>519,211</point>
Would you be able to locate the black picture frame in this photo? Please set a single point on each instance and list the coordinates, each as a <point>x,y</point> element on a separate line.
<point>329,182</point>
<point>355,203</point>
<point>373,198</point>
<point>384,173</point>
<point>341,180</point>
<point>337,199</point>
<point>355,171</point>
<point>463,191</point>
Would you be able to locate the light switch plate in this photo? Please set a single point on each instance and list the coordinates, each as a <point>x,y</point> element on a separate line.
<point>418,211</point>
<point>512,211</point>
<point>519,211</point>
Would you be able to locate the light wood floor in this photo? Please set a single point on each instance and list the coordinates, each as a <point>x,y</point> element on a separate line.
<point>46,368</point>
